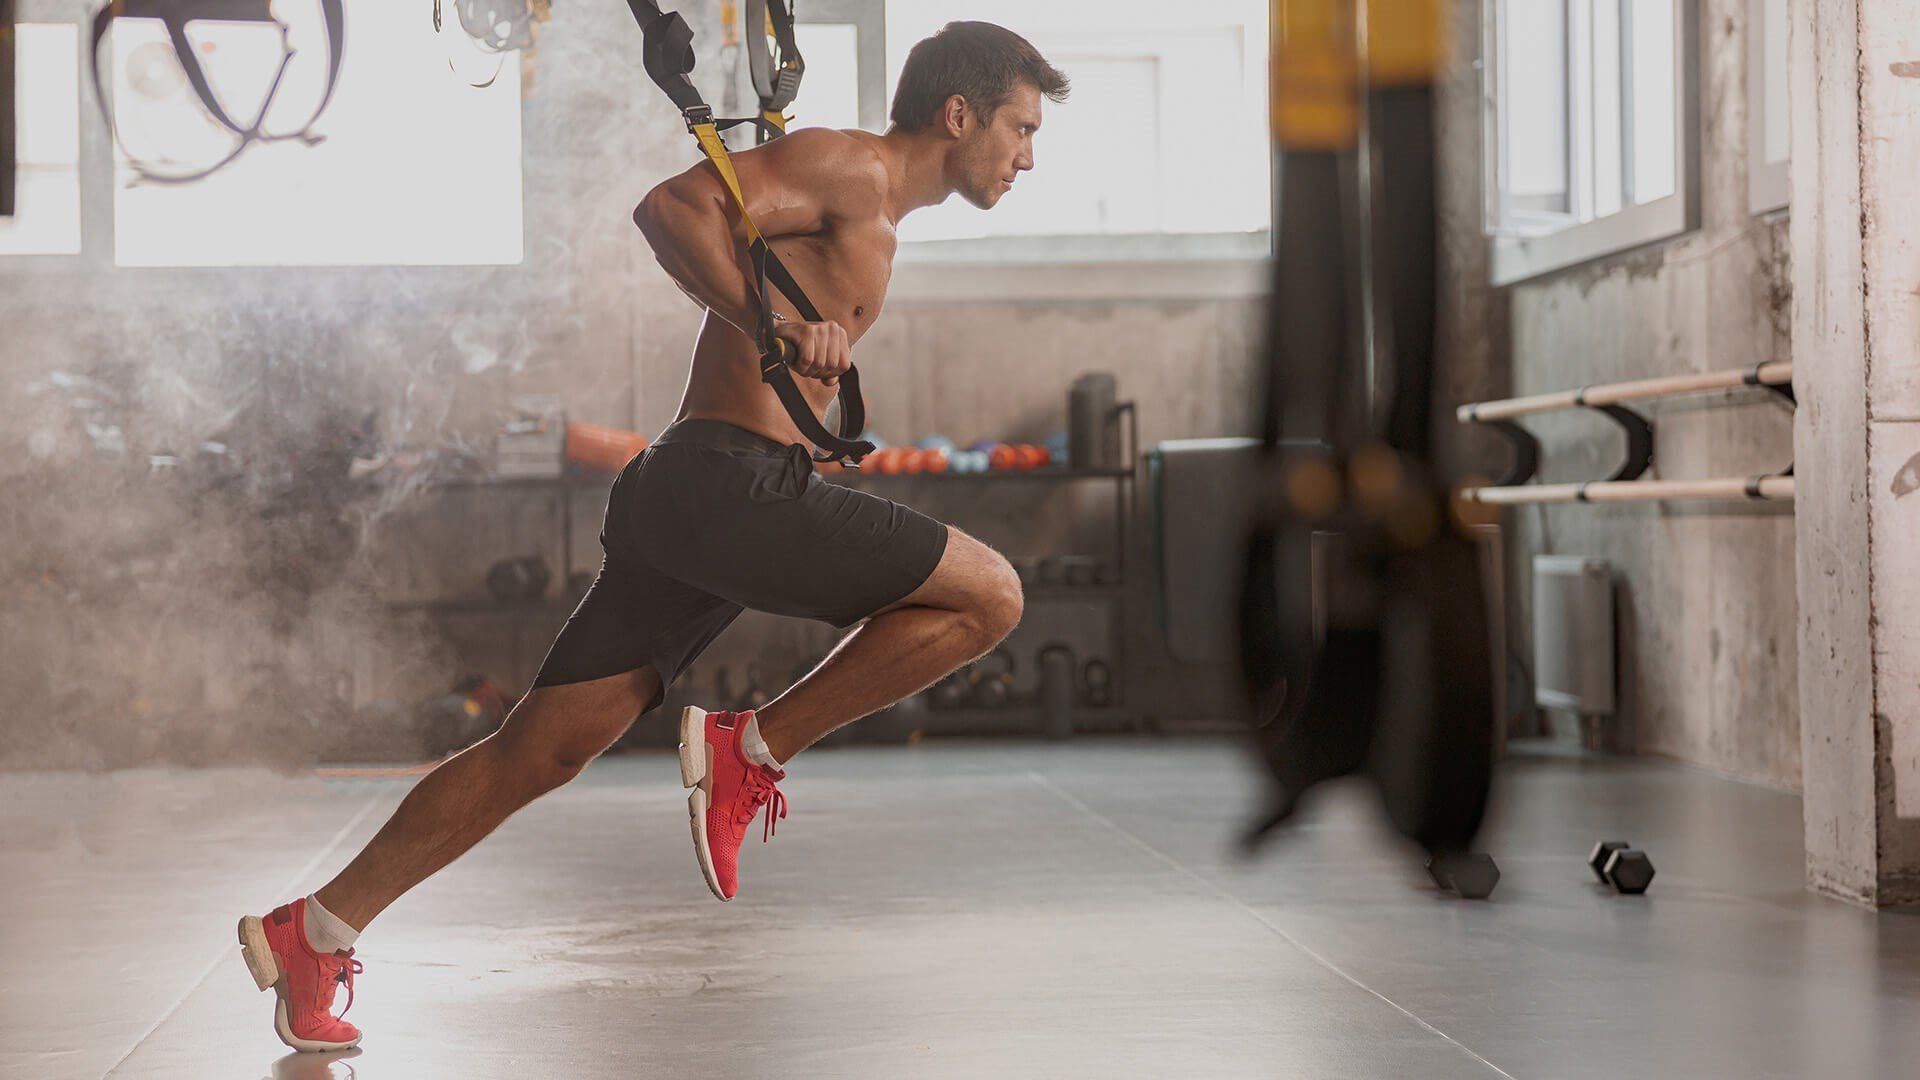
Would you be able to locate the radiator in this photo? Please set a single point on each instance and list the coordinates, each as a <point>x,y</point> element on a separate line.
<point>1573,634</point>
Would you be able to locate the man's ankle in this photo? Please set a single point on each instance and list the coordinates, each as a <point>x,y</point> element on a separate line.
<point>759,747</point>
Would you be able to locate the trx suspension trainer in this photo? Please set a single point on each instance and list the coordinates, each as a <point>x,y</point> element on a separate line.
<point>668,56</point>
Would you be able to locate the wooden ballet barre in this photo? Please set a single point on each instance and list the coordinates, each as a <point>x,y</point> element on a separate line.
<point>1731,488</point>
<point>1775,373</point>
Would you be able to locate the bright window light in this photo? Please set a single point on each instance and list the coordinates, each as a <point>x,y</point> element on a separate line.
<point>1164,133</point>
<point>46,219</point>
<point>1769,185</point>
<point>1532,129</point>
<point>417,167</point>
<point>1653,88</point>
<point>830,93</point>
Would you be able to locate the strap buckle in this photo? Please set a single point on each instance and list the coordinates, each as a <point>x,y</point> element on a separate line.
<point>697,116</point>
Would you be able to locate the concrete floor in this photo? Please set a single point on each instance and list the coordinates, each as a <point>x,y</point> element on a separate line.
<point>956,910</point>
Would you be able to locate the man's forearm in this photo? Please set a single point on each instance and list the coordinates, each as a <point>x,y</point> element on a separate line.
<point>694,243</point>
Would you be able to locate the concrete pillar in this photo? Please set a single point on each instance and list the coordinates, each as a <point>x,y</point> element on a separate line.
<point>1856,338</point>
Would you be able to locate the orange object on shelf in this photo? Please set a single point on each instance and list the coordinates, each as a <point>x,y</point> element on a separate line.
<point>886,460</point>
<point>935,461</point>
<point>1042,457</point>
<point>912,461</point>
<point>591,446</point>
<point>1004,457</point>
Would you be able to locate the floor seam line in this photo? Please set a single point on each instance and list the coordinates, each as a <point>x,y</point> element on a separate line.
<point>214,964</point>
<point>1247,909</point>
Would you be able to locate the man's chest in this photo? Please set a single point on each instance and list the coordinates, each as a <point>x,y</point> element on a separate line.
<point>844,271</point>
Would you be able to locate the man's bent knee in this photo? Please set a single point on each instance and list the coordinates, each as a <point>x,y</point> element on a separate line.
<point>999,603</point>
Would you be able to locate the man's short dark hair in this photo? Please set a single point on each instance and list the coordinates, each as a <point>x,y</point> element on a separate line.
<point>979,61</point>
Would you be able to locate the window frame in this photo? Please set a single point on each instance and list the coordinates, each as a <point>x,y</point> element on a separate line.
<point>1769,183</point>
<point>1516,257</point>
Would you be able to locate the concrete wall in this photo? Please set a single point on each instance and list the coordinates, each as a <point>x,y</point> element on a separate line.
<point>239,612</point>
<point>1856,86</point>
<point>1708,615</point>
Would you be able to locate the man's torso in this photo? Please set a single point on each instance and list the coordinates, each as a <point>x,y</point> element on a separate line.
<point>844,270</point>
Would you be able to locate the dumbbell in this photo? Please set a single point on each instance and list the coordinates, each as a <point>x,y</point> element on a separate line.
<point>1471,874</point>
<point>1621,865</point>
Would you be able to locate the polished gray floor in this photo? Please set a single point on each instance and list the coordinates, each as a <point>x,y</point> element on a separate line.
<point>957,910</point>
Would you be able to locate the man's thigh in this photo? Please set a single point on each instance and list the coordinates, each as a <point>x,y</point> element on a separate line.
<point>967,571</point>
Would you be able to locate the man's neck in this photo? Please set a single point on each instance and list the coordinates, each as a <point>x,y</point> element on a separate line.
<point>918,164</point>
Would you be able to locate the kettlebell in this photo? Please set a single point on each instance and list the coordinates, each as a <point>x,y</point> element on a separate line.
<point>518,580</point>
<point>950,692</point>
<point>1096,684</point>
<point>992,689</point>
<point>1056,691</point>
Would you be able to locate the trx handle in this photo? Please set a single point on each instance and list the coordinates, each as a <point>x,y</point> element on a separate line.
<point>668,57</point>
<point>777,355</point>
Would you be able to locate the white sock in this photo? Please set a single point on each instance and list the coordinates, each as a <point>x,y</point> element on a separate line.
<point>754,746</point>
<point>327,932</point>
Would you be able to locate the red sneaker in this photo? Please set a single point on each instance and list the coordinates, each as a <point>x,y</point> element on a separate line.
<point>728,790</point>
<point>277,955</point>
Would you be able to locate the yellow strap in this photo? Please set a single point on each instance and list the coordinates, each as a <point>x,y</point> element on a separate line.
<point>1315,76</point>
<point>1406,41</point>
<point>716,152</point>
<point>776,118</point>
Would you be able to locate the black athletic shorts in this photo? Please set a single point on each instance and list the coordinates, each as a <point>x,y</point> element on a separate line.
<point>712,519</point>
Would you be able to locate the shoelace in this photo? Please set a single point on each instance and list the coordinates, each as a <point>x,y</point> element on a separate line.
<point>761,790</point>
<point>349,967</point>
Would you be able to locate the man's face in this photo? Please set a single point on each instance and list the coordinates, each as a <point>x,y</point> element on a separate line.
<point>991,154</point>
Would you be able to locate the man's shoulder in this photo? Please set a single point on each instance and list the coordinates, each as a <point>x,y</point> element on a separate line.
<point>852,156</point>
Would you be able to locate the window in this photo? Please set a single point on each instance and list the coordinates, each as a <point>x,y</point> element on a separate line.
<point>1589,129</point>
<point>845,45</point>
<point>1768,133</point>
<point>1161,149</point>
<point>832,52</point>
<point>417,167</point>
<point>46,219</point>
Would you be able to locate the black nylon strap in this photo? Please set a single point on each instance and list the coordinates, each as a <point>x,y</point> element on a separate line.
<point>774,372</point>
<point>176,14</point>
<point>669,60</point>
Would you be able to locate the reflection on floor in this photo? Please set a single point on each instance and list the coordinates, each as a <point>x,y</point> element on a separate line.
<point>957,910</point>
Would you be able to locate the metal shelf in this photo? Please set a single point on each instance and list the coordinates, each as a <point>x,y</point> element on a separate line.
<point>1053,593</point>
<point>1019,718</point>
<point>1028,475</point>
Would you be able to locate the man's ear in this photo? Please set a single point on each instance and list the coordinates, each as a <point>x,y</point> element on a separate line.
<point>954,115</point>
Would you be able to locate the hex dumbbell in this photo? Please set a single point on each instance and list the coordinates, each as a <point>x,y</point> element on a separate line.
<point>1621,865</point>
<point>1470,874</point>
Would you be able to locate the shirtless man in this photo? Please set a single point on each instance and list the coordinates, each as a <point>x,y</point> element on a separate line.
<point>724,512</point>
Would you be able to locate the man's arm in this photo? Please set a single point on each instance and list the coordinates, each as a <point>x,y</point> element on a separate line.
<point>795,185</point>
